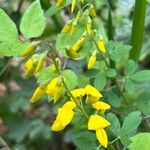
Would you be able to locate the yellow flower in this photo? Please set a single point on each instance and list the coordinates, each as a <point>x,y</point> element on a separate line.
<point>97,122</point>
<point>69,105</point>
<point>78,15</point>
<point>89,26</point>
<point>30,66</point>
<point>93,95</point>
<point>60,3</point>
<point>38,93</point>
<point>102,137</point>
<point>78,44</point>
<point>29,50</point>
<point>92,60</point>
<point>67,27</point>
<point>73,27</point>
<point>92,11</point>
<point>54,88</point>
<point>78,93</point>
<point>64,117</point>
<point>101,45</point>
<point>101,106</point>
<point>40,63</point>
<point>74,3</point>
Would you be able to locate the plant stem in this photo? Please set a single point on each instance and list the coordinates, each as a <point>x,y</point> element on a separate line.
<point>138,29</point>
<point>63,82</point>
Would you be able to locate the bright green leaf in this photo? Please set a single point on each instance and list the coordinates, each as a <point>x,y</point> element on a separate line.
<point>140,141</point>
<point>33,21</point>
<point>45,75</point>
<point>70,78</point>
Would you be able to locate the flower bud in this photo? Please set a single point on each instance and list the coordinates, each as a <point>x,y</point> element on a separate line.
<point>74,3</point>
<point>67,27</point>
<point>29,50</point>
<point>60,3</point>
<point>78,15</point>
<point>40,63</point>
<point>101,45</point>
<point>73,27</point>
<point>78,44</point>
<point>58,65</point>
<point>92,60</point>
<point>92,11</point>
<point>89,26</point>
<point>38,93</point>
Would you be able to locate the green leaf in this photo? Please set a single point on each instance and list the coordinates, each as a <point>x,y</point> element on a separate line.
<point>130,67</point>
<point>33,21</point>
<point>91,73</point>
<point>142,75</point>
<point>110,72</point>
<point>8,29</point>
<point>117,51</point>
<point>9,41</point>
<point>71,79</point>
<point>115,124</point>
<point>143,102</point>
<point>129,127</point>
<point>100,81</point>
<point>112,98</point>
<point>141,140</point>
<point>45,75</point>
<point>54,9</point>
<point>85,140</point>
<point>129,86</point>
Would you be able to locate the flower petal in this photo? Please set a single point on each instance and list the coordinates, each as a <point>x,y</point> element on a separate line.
<point>57,125</point>
<point>97,122</point>
<point>101,106</point>
<point>102,137</point>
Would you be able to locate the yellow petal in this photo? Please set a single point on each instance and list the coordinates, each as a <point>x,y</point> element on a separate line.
<point>92,11</point>
<point>38,93</point>
<point>29,50</point>
<point>102,137</point>
<point>69,105</point>
<point>101,45</point>
<point>92,60</point>
<point>60,3</point>
<point>78,92</point>
<point>74,3</point>
<point>91,99</point>
<point>92,91</point>
<point>57,125</point>
<point>78,44</point>
<point>65,116</point>
<point>97,122</point>
<point>40,64</point>
<point>67,27</point>
<point>101,106</point>
<point>54,88</point>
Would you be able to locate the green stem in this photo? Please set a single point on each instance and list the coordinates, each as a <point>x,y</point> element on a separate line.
<point>138,29</point>
<point>63,82</point>
<point>114,140</point>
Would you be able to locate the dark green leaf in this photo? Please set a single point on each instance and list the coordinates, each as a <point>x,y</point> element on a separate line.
<point>129,127</point>
<point>115,124</point>
<point>100,81</point>
<point>130,67</point>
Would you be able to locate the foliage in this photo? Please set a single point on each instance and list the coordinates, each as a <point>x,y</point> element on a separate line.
<point>84,76</point>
